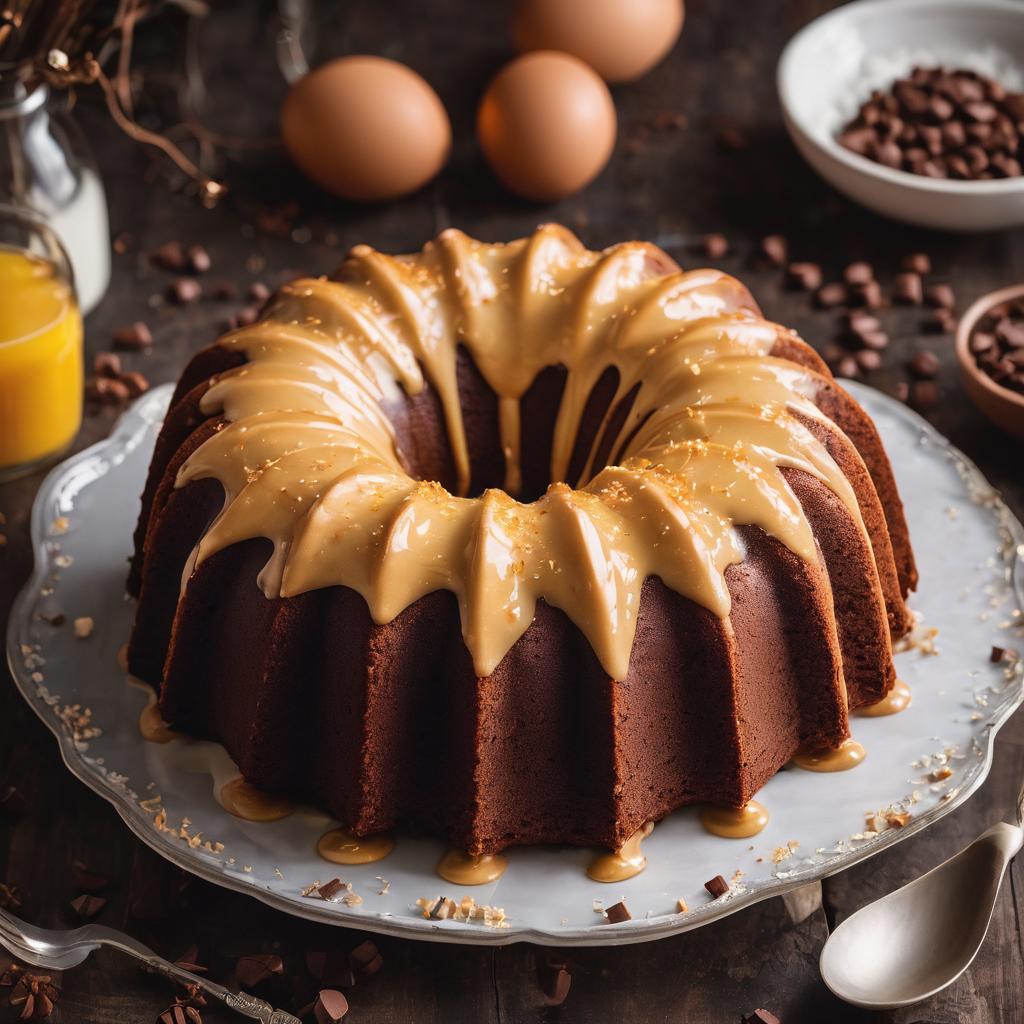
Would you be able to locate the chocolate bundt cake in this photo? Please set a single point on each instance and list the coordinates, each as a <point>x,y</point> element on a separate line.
<point>516,543</point>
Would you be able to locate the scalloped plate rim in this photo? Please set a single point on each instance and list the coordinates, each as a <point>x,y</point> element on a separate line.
<point>149,409</point>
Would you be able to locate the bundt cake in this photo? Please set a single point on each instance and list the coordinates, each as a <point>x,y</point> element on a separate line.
<point>516,543</point>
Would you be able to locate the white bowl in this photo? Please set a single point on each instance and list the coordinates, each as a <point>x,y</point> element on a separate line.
<point>828,69</point>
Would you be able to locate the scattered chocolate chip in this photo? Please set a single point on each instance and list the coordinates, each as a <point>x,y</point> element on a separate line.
<point>225,292</point>
<point>12,801</point>
<point>774,249</point>
<point>924,364</point>
<point>618,912</point>
<point>901,390</point>
<point>255,969</point>
<point>555,981</point>
<point>868,294</point>
<point>868,359</point>
<point>917,263</point>
<point>924,395</point>
<point>997,654</point>
<point>940,296</point>
<point>122,243</point>
<point>10,899</point>
<point>87,880</point>
<point>717,886</point>
<point>830,295</point>
<point>760,1016</point>
<point>107,364</point>
<point>134,338</point>
<point>330,1007</point>
<point>366,958</point>
<point>170,256</point>
<point>858,273</point>
<point>58,619</point>
<point>86,905</point>
<point>185,290</point>
<point>941,321</point>
<point>805,276</point>
<point>715,246</point>
<point>136,383</point>
<point>259,292</point>
<point>908,289</point>
<point>333,969</point>
<point>198,259</point>
<point>848,367</point>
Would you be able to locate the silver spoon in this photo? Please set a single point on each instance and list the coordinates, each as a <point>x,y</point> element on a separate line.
<point>61,950</point>
<point>917,940</point>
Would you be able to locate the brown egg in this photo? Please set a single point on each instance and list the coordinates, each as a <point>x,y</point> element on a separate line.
<point>366,128</point>
<point>546,125</point>
<point>620,39</point>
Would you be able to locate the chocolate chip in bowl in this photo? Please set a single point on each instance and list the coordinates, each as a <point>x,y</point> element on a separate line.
<point>990,354</point>
<point>914,110</point>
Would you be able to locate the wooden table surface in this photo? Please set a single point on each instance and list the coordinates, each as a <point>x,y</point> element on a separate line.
<point>731,168</point>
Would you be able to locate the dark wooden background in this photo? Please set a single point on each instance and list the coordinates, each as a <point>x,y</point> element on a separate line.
<point>731,169</point>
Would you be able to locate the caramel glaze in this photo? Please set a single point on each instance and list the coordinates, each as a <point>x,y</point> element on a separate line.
<point>735,822</point>
<point>307,456</point>
<point>625,862</point>
<point>847,755</point>
<point>152,727</point>
<point>341,847</point>
<point>237,797</point>
<point>896,700</point>
<point>465,869</point>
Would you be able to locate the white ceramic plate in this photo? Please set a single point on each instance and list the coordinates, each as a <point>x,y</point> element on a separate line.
<point>828,69</point>
<point>966,543</point>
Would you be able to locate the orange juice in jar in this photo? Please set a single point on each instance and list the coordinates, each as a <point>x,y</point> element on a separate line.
<point>40,346</point>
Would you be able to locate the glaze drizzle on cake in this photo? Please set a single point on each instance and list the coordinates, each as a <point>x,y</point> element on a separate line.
<point>308,459</point>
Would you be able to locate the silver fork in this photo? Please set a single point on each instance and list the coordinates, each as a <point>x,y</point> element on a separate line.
<point>61,950</point>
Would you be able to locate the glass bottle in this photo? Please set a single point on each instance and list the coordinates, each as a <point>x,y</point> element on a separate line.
<point>46,167</point>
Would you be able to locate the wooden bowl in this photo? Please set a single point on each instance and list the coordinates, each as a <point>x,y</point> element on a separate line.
<point>1005,408</point>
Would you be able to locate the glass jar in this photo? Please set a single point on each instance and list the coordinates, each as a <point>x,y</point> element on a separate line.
<point>46,167</point>
<point>40,345</point>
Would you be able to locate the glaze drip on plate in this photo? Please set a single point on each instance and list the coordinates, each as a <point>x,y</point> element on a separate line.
<point>308,459</point>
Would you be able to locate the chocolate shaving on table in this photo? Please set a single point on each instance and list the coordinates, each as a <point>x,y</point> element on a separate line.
<point>255,969</point>
<point>761,1016</point>
<point>87,906</point>
<point>554,979</point>
<point>366,958</point>
<point>330,1007</point>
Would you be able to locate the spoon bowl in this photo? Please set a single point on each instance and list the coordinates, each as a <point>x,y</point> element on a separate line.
<point>917,940</point>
